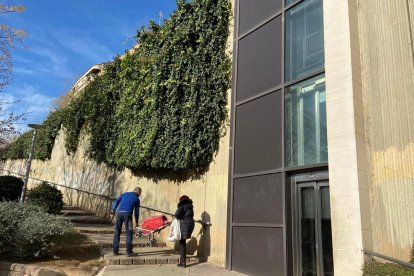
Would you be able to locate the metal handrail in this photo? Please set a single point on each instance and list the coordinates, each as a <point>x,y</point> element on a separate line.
<point>388,258</point>
<point>204,223</point>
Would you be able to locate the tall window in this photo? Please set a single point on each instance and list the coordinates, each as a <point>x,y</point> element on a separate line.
<point>305,105</point>
<point>305,123</point>
<point>304,39</point>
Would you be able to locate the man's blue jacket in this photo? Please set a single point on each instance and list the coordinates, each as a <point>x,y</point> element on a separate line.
<point>126,204</point>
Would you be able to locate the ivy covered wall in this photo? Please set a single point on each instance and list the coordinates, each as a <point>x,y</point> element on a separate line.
<point>159,107</point>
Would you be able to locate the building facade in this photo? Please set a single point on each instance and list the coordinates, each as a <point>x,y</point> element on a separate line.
<point>318,164</point>
<point>313,103</point>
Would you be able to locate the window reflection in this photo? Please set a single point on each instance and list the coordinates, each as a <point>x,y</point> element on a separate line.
<point>304,39</point>
<point>305,123</point>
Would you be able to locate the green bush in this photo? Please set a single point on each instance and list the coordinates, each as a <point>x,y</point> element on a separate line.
<point>45,140</point>
<point>47,197</point>
<point>20,148</point>
<point>10,188</point>
<point>374,268</point>
<point>47,134</point>
<point>26,231</point>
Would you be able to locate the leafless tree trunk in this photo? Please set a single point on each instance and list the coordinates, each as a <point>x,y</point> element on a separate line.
<point>9,37</point>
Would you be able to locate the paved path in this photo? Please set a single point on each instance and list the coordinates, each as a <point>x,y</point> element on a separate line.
<point>203,269</point>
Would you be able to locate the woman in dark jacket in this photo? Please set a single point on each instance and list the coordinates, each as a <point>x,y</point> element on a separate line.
<point>185,215</point>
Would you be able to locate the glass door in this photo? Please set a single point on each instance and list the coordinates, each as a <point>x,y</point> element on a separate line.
<point>312,228</point>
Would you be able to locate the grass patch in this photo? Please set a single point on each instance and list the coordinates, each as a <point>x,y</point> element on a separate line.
<point>375,268</point>
<point>76,246</point>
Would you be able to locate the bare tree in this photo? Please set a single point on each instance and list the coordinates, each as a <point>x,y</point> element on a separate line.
<point>9,37</point>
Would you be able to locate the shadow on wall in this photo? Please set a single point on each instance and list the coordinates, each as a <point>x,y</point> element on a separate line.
<point>87,176</point>
<point>173,176</point>
<point>91,178</point>
<point>204,245</point>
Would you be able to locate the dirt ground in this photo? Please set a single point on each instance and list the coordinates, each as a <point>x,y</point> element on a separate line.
<point>75,255</point>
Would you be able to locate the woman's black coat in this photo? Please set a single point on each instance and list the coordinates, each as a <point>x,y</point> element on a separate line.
<point>185,214</point>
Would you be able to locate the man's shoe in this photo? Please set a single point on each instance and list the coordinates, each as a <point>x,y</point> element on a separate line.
<point>181,265</point>
<point>115,253</point>
<point>130,254</point>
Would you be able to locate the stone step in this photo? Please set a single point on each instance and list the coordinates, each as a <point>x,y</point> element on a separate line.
<point>149,256</point>
<point>105,241</point>
<point>96,228</point>
<point>88,220</point>
<point>73,212</point>
<point>69,207</point>
<point>135,244</point>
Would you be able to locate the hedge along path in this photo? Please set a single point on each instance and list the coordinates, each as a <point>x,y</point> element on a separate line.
<point>161,106</point>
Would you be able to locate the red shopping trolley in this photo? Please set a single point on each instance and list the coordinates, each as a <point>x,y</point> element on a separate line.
<point>150,226</point>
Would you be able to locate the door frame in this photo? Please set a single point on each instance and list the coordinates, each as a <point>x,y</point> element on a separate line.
<point>308,180</point>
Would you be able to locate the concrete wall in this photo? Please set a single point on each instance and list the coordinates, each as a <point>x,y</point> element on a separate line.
<point>386,29</point>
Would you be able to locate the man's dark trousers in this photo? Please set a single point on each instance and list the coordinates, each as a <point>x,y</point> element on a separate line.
<point>126,219</point>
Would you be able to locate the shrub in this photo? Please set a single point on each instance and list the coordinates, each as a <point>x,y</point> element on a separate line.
<point>26,231</point>
<point>48,197</point>
<point>10,187</point>
<point>385,269</point>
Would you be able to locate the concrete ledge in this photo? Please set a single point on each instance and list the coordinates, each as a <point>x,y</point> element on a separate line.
<point>139,244</point>
<point>150,258</point>
<point>8,269</point>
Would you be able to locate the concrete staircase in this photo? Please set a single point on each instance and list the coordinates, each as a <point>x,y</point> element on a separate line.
<point>101,230</point>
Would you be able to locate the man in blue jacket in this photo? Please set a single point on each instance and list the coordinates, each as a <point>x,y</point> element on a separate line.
<point>123,207</point>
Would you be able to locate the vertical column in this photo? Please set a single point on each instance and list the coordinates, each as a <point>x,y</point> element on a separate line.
<point>351,225</point>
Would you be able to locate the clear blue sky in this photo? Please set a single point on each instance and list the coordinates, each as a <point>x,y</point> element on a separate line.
<point>65,38</point>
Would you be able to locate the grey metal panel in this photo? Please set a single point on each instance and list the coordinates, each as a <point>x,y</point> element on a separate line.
<point>229,212</point>
<point>254,12</point>
<point>258,139</point>
<point>258,251</point>
<point>232,127</point>
<point>258,199</point>
<point>288,219</point>
<point>259,62</point>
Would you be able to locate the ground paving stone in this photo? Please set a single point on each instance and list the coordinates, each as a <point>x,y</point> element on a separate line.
<point>199,269</point>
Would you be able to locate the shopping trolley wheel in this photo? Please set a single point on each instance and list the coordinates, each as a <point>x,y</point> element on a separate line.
<point>148,244</point>
<point>153,242</point>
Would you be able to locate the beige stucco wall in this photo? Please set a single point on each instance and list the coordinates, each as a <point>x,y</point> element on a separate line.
<point>386,29</point>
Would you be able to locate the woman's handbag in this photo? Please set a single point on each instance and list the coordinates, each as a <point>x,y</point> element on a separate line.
<point>175,232</point>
